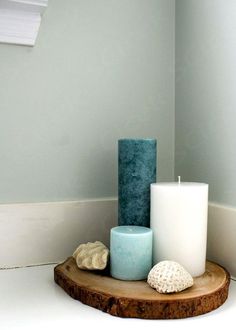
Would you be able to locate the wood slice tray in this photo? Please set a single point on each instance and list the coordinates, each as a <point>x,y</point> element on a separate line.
<point>137,299</point>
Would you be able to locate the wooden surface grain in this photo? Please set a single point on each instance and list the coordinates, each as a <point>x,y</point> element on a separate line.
<point>137,299</point>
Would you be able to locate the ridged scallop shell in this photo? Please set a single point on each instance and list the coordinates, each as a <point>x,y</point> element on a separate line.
<point>169,276</point>
<point>91,256</point>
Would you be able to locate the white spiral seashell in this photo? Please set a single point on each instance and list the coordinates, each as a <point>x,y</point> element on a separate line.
<point>169,276</point>
<point>91,256</point>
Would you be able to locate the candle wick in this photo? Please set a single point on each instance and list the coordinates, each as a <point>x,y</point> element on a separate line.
<point>179,179</point>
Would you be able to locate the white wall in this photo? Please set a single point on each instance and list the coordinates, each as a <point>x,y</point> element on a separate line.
<point>206,95</point>
<point>100,70</point>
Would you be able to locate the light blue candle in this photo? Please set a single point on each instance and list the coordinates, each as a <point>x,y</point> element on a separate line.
<point>130,252</point>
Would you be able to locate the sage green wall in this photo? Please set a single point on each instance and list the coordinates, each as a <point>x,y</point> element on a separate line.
<point>206,95</point>
<point>100,70</point>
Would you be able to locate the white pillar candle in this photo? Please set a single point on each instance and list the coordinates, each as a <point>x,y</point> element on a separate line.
<point>179,223</point>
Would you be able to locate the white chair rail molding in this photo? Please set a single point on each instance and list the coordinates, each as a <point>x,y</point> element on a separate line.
<point>20,20</point>
<point>43,226</point>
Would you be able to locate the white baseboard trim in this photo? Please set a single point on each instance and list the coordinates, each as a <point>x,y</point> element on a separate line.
<point>221,246</point>
<point>39,233</point>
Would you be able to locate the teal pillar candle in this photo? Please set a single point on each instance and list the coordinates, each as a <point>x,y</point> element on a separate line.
<point>136,172</point>
<point>130,252</point>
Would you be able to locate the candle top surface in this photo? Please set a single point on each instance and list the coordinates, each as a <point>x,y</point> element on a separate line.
<point>137,139</point>
<point>179,184</point>
<point>131,230</point>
